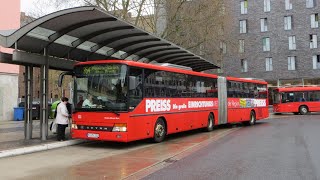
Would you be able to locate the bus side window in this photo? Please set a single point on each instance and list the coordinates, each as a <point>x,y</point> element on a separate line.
<point>135,87</point>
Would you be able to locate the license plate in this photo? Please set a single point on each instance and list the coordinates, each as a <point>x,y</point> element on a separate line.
<point>92,135</point>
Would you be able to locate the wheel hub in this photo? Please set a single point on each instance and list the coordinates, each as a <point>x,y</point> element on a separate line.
<point>159,130</point>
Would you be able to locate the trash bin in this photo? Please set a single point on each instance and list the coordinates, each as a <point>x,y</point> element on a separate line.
<point>18,113</point>
<point>35,111</point>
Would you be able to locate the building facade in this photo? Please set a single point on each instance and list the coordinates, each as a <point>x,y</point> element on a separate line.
<point>9,20</point>
<point>277,40</point>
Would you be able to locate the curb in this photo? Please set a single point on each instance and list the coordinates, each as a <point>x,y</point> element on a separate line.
<point>37,148</point>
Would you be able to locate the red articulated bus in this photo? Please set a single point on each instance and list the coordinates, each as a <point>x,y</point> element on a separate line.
<point>118,100</point>
<point>297,100</point>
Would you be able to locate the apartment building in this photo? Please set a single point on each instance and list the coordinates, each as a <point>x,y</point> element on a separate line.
<point>276,40</point>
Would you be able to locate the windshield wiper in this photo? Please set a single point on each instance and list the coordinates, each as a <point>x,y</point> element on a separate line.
<point>112,111</point>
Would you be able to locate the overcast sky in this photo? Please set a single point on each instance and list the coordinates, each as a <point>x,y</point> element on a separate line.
<point>38,7</point>
<point>27,5</point>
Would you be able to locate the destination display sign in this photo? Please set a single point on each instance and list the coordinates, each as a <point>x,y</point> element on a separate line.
<point>98,69</point>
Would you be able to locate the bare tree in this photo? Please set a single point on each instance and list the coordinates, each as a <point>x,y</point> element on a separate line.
<point>197,25</point>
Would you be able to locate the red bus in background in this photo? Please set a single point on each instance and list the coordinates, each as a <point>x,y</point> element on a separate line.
<point>132,101</point>
<point>298,100</point>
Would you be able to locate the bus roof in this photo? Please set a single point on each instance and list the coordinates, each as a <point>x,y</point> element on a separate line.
<point>149,66</point>
<point>301,88</point>
<point>246,80</point>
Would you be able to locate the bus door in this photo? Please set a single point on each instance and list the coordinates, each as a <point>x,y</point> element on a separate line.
<point>222,97</point>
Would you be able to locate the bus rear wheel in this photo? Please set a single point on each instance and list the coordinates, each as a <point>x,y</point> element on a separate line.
<point>303,110</point>
<point>210,123</point>
<point>160,131</point>
<point>252,120</point>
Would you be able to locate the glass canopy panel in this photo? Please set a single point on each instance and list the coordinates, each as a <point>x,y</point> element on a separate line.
<point>118,54</point>
<point>144,60</point>
<point>66,40</point>
<point>41,33</point>
<point>103,50</point>
<point>86,46</point>
<point>131,57</point>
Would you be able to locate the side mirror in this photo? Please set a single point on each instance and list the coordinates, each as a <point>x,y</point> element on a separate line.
<point>61,77</point>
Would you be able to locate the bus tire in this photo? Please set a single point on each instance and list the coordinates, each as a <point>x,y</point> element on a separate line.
<point>210,123</point>
<point>160,131</point>
<point>303,110</point>
<point>252,120</point>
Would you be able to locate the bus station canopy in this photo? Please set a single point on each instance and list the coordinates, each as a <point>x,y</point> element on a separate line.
<point>89,33</point>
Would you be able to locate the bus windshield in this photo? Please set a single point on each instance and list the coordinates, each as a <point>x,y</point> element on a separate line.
<point>101,87</point>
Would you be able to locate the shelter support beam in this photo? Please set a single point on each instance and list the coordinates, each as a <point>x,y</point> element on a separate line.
<point>146,53</point>
<point>127,45</point>
<point>39,60</point>
<point>136,50</point>
<point>28,102</point>
<point>44,73</point>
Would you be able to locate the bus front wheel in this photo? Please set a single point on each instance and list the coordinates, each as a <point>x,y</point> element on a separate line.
<point>160,131</point>
<point>303,110</point>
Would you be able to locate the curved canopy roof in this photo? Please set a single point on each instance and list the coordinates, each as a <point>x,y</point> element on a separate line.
<point>89,33</point>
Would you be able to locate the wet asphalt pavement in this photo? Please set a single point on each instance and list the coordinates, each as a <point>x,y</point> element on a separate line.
<point>287,147</point>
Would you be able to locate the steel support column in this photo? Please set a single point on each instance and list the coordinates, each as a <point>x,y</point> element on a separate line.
<point>44,97</point>
<point>28,102</point>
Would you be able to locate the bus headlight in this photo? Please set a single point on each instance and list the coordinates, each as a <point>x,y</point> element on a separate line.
<point>74,126</point>
<point>119,128</point>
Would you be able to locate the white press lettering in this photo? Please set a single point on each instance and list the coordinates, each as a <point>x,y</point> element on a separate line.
<point>159,105</point>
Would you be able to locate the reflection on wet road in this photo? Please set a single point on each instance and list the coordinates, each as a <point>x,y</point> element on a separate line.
<point>282,148</point>
<point>100,160</point>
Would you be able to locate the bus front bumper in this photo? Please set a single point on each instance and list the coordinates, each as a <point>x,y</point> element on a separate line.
<point>99,135</point>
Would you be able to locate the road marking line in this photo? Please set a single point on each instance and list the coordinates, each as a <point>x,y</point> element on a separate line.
<point>166,162</point>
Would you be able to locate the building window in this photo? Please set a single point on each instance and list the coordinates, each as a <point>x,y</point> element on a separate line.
<point>244,6</point>
<point>310,3</point>
<point>313,41</point>
<point>314,20</point>
<point>287,22</point>
<point>223,47</point>
<point>264,24</point>
<point>291,63</point>
<point>244,65</point>
<point>288,5</point>
<point>292,42</point>
<point>316,61</point>
<point>241,46</point>
<point>266,44</point>
<point>243,26</point>
<point>266,6</point>
<point>269,64</point>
